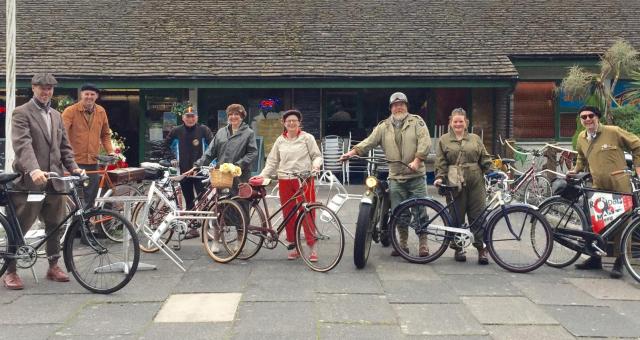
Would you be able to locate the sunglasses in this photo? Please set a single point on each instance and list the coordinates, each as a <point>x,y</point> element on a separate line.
<point>587,116</point>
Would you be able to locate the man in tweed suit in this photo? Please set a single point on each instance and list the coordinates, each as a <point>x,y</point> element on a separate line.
<point>40,145</point>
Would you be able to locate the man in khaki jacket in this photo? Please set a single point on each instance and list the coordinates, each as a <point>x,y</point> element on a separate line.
<point>601,152</point>
<point>404,137</point>
<point>87,126</point>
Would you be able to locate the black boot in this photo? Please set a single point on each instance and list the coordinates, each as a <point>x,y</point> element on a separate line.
<point>591,263</point>
<point>616,272</point>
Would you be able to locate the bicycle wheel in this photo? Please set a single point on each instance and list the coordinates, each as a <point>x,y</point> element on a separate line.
<point>109,229</point>
<point>509,238</point>
<point>537,190</point>
<point>562,215</point>
<point>419,217</point>
<point>101,265</point>
<point>6,240</point>
<point>630,248</point>
<point>320,238</point>
<point>227,232</point>
<point>158,210</point>
<point>364,234</point>
<point>255,237</point>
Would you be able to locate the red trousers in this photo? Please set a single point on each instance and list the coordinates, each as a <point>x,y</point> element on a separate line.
<point>287,188</point>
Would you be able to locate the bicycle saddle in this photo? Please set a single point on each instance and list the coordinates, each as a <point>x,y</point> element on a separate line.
<point>578,178</point>
<point>508,161</point>
<point>6,178</point>
<point>259,182</point>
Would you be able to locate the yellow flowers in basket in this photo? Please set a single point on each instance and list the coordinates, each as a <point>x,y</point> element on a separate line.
<point>223,177</point>
<point>229,168</point>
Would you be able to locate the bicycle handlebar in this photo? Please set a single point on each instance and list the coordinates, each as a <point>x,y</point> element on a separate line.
<point>379,160</point>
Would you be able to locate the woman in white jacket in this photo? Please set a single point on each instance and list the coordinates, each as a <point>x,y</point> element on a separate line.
<point>294,151</point>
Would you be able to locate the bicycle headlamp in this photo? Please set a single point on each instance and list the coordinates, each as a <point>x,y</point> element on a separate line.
<point>371,182</point>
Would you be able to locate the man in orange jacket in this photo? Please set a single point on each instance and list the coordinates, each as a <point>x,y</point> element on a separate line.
<point>87,126</point>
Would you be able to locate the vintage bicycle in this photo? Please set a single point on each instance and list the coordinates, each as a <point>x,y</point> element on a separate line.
<point>160,217</point>
<point>319,232</point>
<point>584,221</point>
<point>101,265</point>
<point>517,236</point>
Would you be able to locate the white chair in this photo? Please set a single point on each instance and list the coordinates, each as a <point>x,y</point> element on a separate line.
<point>379,153</point>
<point>354,165</point>
<point>332,147</point>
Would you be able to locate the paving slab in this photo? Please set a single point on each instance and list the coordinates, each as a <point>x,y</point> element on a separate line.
<point>608,289</point>
<point>507,310</point>
<point>354,308</point>
<point>209,307</point>
<point>629,309</point>
<point>279,289</point>
<point>192,331</point>
<point>30,331</point>
<point>275,320</point>
<point>585,321</point>
<point>43,309</point>
<point>359,331</point>
<point>433,291</point>
<point>437,319</point>
<point>480,285</point>
<point>447,265</point>
<point>62,336</point>
<point>144,288</point>
<point>111,319</point>
<point>519,332</point>
<point>213,281</point>
<point>557,294</point>
<point>399,269</point>
<point>362,283</point>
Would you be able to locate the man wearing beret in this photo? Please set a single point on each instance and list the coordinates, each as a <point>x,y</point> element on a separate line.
<point>601,152</point>
<point>87,126</point>
<point>40,145</point>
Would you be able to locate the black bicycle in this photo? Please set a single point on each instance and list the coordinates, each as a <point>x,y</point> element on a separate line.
<point>584,221</point>
<point>100,264</point>
<point>517,236</point>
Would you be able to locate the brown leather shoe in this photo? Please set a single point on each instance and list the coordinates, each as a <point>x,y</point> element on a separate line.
<point>56,274</point>
<point>460,255</point>
<point>13,281</point>
<point>423,251</point>
<point>483,257</point>
<point>192,233</point>
<point>395,253</point>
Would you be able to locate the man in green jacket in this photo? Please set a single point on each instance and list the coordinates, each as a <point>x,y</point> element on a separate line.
<point>405,137</point>
<point>601,152</point>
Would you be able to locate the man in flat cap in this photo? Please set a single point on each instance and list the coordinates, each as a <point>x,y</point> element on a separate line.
<point>87,126</point>
<point>40,145</point>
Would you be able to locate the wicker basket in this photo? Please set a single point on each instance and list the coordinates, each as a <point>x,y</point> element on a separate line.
<point>220,179</point>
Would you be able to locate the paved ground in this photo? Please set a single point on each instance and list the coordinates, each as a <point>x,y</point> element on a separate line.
<point>269,297</point>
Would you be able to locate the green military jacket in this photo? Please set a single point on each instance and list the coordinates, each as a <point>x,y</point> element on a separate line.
<point>605,154</point>
<point>416,143</point>
<point>475,158</point>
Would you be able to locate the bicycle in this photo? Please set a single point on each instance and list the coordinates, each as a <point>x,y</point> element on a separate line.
<point>315,222</point>
<point>100,265</point>
<point>508,230</point>
<point>159,218</point>
<point>584,220</point>
<point>373,214</point>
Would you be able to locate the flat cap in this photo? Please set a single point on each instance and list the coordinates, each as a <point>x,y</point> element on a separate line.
<point>43,79</point>
<point>89,87</point>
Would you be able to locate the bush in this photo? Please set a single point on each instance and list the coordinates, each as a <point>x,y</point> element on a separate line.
<point>628,118</point>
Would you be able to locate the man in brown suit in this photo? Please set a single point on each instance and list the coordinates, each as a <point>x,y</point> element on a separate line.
<point>40,145</point>
<point>87,127</point>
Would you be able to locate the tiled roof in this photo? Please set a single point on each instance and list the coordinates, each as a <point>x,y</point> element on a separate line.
<point>232,39</point>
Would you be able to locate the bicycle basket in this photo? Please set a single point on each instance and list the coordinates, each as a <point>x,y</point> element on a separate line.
<point>220,179</point>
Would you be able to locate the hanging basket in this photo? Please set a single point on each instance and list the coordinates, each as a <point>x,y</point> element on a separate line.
<point>220,179</point>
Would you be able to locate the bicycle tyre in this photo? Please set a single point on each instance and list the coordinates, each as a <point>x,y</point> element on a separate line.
<point>561,214</point>
<point>119,190</point>
<point>500,229</point>
<point>96,263</point>
<point>229,229</point>
<point>7,243</point>
<point>326,228</point>
<point>157,212</point>
<point>630,248</point>
<point>385,240</point>
<point>407,213</point>
<point>364,235</point>
<point>535,193</point>
<point>255,238</point>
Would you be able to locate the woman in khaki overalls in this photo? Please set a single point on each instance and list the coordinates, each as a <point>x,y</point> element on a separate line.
<point>475,161</point>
